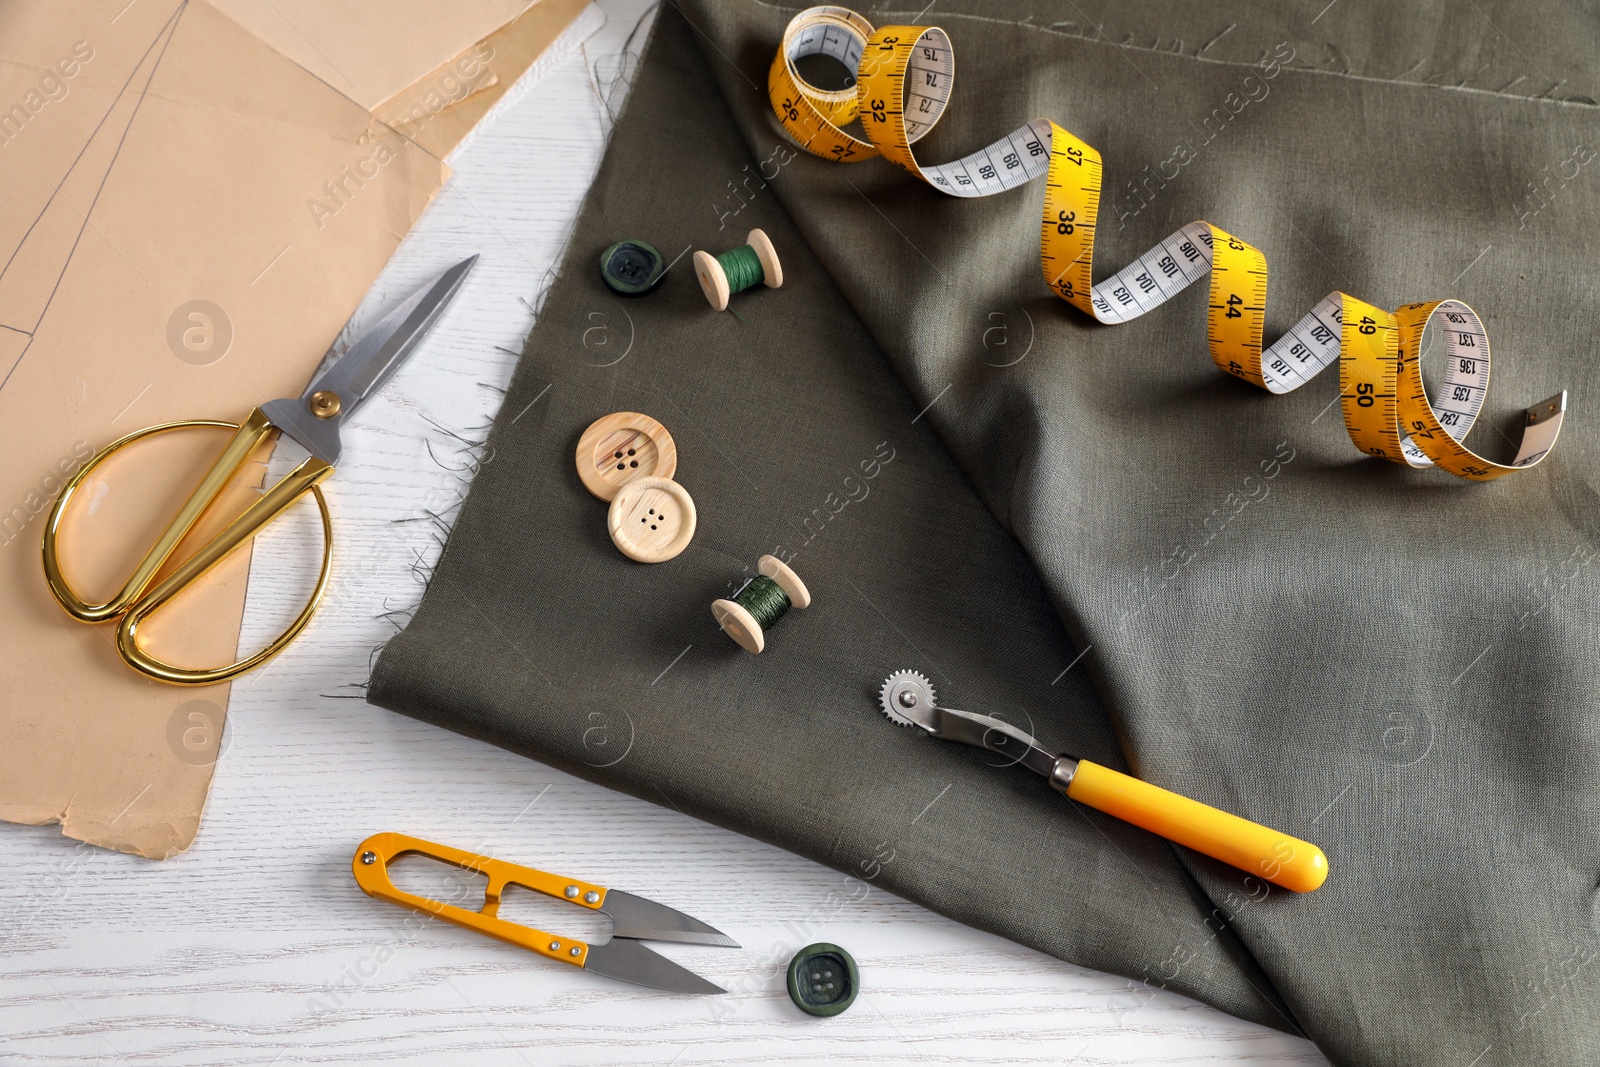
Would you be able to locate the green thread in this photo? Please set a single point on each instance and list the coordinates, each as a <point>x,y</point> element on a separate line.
<point>764,599</point>
<point>743,268</point>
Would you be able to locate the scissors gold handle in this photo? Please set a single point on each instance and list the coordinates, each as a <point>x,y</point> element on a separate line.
<point>136,600</point>
<point>313,420</point>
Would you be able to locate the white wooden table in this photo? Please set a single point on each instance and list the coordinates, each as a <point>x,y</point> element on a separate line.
<point>256,947</point>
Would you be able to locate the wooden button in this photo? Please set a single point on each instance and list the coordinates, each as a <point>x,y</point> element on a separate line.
<point>623,446</point>
<point>651,519</point>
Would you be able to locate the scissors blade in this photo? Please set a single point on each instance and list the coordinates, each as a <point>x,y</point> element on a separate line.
<point>646,920</point>
<point>366,365</point>
<point>629,961</point>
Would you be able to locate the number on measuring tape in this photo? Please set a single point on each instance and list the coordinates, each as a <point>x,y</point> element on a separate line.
<point>903,80</point>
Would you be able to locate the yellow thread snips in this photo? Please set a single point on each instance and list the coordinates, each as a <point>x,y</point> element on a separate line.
<point>633,918</point>
<point>907,698</point>
<point>313,419</point>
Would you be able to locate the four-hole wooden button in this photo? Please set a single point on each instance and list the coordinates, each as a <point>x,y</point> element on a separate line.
<point>651,519</point>
<point>622,447</point>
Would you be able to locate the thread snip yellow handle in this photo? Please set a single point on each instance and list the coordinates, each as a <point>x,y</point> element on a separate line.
<point>371,868</point>
<point>1280,859</point>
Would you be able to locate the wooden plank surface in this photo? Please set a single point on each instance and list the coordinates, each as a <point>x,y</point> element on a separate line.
<point>256,947</point>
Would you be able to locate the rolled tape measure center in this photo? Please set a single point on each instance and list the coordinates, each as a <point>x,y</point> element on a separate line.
<point>904,77</point>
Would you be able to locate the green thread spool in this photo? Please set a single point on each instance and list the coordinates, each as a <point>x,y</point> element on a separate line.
<point>742,267</point>
<point>738,269</point>
<point>760,603</point>
<point>764,599</point>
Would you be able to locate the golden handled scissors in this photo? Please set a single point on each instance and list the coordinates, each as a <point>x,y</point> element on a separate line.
<point>313,420</point>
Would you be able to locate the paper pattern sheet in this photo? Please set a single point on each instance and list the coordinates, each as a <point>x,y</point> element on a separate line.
<point>372,50</point>
<point>161,258</point>
<point>443,107</point>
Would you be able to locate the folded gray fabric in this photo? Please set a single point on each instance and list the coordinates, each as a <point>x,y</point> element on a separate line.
<point>1051,518</point>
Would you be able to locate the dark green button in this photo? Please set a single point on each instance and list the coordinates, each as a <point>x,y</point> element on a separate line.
<point>631,268</point>
<point>823,979</point>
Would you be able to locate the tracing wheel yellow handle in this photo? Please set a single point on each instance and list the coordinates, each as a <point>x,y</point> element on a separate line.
<point>371,869</point>
<point>136,601</point>
<point>1280,859</point>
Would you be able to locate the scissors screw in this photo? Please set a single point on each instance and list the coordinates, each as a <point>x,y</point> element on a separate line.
<point>555,946</point>
<point>369,857</point>
<point>591,897</point>
<point>572,892</point>
<point>908,699</point>
<point>324,404</point>
<point>574,951</point>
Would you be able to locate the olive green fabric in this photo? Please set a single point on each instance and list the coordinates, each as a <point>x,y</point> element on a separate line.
<point>1087,529</point>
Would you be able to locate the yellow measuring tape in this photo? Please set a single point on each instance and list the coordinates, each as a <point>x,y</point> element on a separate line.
<point>904,76</point>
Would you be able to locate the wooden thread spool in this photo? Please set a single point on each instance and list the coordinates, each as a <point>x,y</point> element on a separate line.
<point>714,275</point>
<point>736,616</point>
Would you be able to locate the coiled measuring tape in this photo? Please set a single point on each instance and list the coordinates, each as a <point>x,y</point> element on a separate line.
<point>904,75</point>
